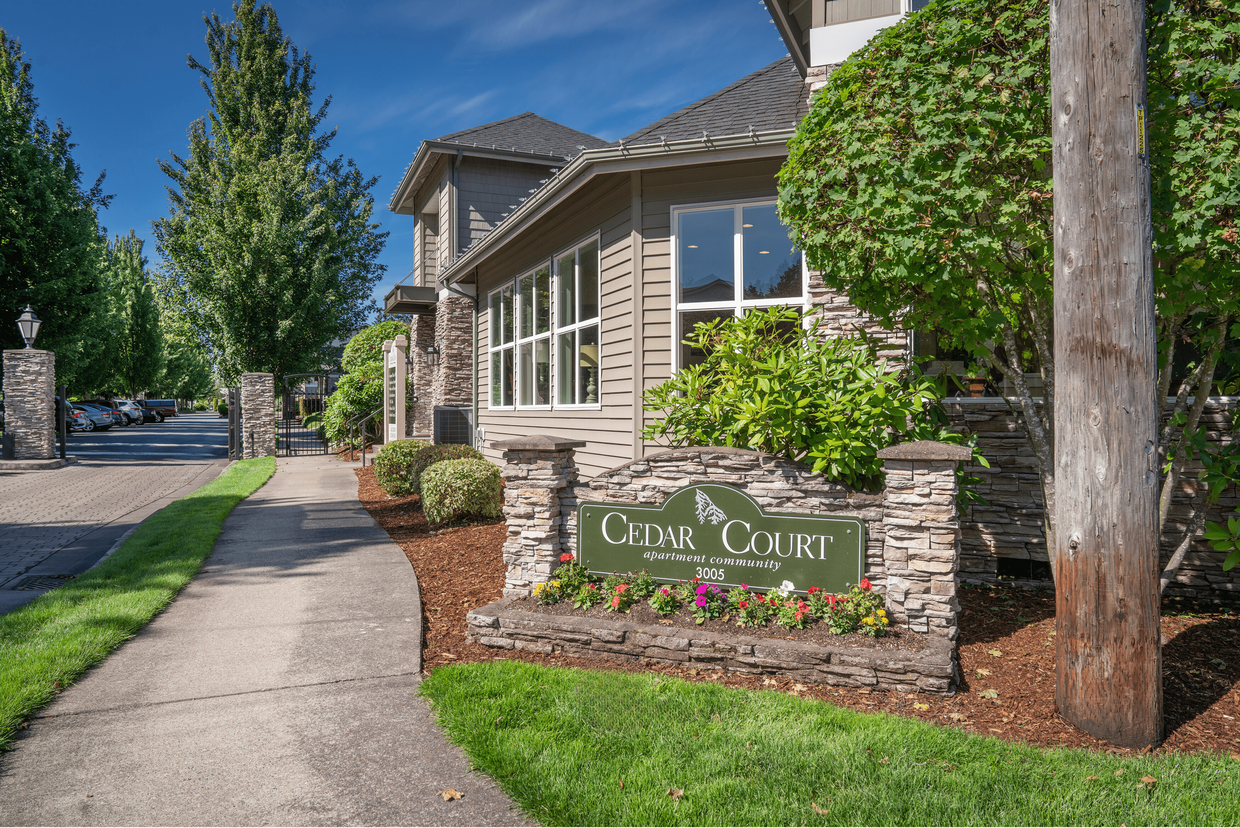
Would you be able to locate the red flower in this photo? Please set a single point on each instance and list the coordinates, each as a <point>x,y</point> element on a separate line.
<point>743,604</point>
<point>831,600</point>
<point>567,556</point>
<point>621,588</point>
<point>812,590</point>
<point>615,602</point>
<point>865,583</point>
<point>801,606</point>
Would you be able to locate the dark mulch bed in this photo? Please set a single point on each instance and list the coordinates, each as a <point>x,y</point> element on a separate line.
<point>1006,645</point>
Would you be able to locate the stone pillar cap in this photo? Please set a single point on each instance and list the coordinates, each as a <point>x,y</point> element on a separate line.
<point>537,442</point>
<point>925,450</point>
<point>387,344</point>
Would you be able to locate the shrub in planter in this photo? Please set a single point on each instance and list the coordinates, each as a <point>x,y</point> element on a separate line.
<point>461,488</point>
<point>393,465</point>
<point>429,454</point>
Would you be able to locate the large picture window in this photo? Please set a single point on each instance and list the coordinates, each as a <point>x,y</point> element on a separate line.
<point>576,326</point>
<point>730,258</point>
<point>533,350</point>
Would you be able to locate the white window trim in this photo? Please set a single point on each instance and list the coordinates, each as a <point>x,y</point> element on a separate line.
<point>594,321</point>
<point>737,304</point>
<point>534,337</point>
<point>493,348</point>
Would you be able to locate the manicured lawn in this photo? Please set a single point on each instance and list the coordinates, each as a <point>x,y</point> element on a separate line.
<point>46,644</point>
<point>561,741</point>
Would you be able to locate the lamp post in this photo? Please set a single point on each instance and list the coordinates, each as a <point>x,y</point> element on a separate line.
<point>29,325</point>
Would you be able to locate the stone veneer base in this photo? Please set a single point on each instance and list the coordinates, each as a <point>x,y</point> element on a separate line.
<point>37,465</point>
<point>933,669</point>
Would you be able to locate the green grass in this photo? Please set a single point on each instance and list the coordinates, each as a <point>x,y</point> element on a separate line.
<point>560,741</point>
<point>59,635</point>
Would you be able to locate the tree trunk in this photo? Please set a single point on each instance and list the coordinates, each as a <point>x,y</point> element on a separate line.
<point>1109,658</point>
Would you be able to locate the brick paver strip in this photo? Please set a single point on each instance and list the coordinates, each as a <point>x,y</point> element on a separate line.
<point>42,512</point>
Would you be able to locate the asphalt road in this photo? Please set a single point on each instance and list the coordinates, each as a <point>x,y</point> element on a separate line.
<point>56,524</point>
<point>186,438</point>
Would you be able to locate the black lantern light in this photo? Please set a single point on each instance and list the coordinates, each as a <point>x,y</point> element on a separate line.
<point>432,355</point>
<point>29,324</point>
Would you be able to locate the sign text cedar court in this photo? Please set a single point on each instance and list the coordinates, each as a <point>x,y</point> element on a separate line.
<point>719,534</point>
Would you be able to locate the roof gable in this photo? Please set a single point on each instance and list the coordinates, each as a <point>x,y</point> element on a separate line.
<point>770,99</point>
<point>526,132</point>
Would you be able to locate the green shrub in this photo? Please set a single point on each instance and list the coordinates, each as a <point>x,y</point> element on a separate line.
<point>393,466</point>
<point>431,453</point>
<point>367,347</point>
<point>359,392</point>
<point>461,488</point>
<point>312,420</point>
<point>222,408</point>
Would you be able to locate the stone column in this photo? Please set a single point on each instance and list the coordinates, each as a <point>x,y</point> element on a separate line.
<point>30,403</point>
<point>537,472</point>
<point>258,414</point>
<point>454,334</point>
<point>922,549</point>
<point>421,338</point>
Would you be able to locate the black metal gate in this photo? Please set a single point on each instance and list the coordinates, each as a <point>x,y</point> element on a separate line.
<point>301,415</point>
<point>233,401</point>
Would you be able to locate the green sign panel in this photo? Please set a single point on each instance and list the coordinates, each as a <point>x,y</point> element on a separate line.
<point>719,534</point>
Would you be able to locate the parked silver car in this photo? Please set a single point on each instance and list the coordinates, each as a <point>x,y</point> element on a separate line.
<point>95,418</point>
<point>130,409</point>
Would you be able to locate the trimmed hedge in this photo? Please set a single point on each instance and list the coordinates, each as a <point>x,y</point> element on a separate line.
<point>394,466</point>
<point>462,488</point>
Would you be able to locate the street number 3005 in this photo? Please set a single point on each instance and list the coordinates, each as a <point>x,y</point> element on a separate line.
<point>710,574</point>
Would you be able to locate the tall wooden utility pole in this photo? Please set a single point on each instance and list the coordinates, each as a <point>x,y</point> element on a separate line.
<point>1105,536</point>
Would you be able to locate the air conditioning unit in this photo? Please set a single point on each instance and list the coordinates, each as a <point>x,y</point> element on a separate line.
<point>454,424</point>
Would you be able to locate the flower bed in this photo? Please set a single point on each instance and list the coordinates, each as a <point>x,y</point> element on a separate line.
<point>843,639</point>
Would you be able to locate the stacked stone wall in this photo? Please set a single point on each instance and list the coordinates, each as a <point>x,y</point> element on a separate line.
<point>453,382</point>
<point>1011,525</point>
<point>30,403</point>
<point>421,379</point>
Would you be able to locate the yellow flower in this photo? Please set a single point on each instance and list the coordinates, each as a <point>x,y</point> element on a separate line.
<point>882,613</point>
<point>869,622</point>
<point>555,584</point>
<point>885,621</point>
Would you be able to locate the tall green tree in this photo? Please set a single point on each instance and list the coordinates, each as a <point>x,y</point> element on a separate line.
<point>186,373</point>
<point>920,185</point>
<point>138,356</point>
<point>51,249</point>
<point>269,244</point>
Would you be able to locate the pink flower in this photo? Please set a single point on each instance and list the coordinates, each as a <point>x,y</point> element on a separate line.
<point>664,591</point>
<point>701,590</point>
<point>701,602</point>
<point>745,587</point>
<point>615,602</point>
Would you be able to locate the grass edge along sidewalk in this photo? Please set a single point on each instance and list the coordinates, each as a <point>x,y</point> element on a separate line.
<point>48,643</point>
<point>585,747</point>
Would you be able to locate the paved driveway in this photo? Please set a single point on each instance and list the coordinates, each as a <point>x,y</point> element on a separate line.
<point>58,523</point>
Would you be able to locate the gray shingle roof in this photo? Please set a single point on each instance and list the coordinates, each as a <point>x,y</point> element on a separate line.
<point>526,132</point>
<point>770,99</point>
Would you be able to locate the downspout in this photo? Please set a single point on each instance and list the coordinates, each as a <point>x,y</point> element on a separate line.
<point>473,350</point>
<point>454,231</point>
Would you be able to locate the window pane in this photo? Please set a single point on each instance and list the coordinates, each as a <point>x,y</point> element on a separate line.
<point>542,371</point>
<point>588,368</point>
<point>567,308</point>
<point>526,374</point>
<point>542,300</point>
<point>495,317</point>
<point>704,254</point>
<point>506,377</point>
<point>506,321</point>
<point>587,278</point>
<point>527,305</point>
<point>695,356</point>
<point>772,269</point>
<point>566,357</point>
<point>497,377</point>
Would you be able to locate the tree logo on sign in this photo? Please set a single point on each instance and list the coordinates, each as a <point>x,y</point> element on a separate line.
<point>707,510</point>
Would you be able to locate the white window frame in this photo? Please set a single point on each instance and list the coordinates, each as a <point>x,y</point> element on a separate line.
<point>738,304</point>
<point>593,322</point>
<point>533,339</point>
<point>494,347</point>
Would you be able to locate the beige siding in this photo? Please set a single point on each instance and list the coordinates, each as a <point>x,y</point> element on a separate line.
<point>605,206</point>
<point>490,189</point>
<point>602,208</point>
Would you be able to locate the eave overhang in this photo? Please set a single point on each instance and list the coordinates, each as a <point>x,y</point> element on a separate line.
<point>791,32</point>
<point>408,299</point>
<point>616,159</point>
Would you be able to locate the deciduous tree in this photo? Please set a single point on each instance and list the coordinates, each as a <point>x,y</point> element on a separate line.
<point>269,244</point>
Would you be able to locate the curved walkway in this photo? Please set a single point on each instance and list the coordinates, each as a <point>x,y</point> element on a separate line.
<point>279,688</point>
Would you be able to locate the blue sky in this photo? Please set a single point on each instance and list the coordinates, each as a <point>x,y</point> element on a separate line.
<point>398,71</point>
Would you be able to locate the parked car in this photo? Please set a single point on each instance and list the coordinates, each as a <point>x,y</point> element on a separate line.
<point>160,408</point>
<point>118,416</point>
<point>100,418</point>
<point>78,421</point>
<point>131,411</point>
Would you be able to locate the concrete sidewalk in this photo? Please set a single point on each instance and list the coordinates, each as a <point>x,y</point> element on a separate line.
<point>279,688</point>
